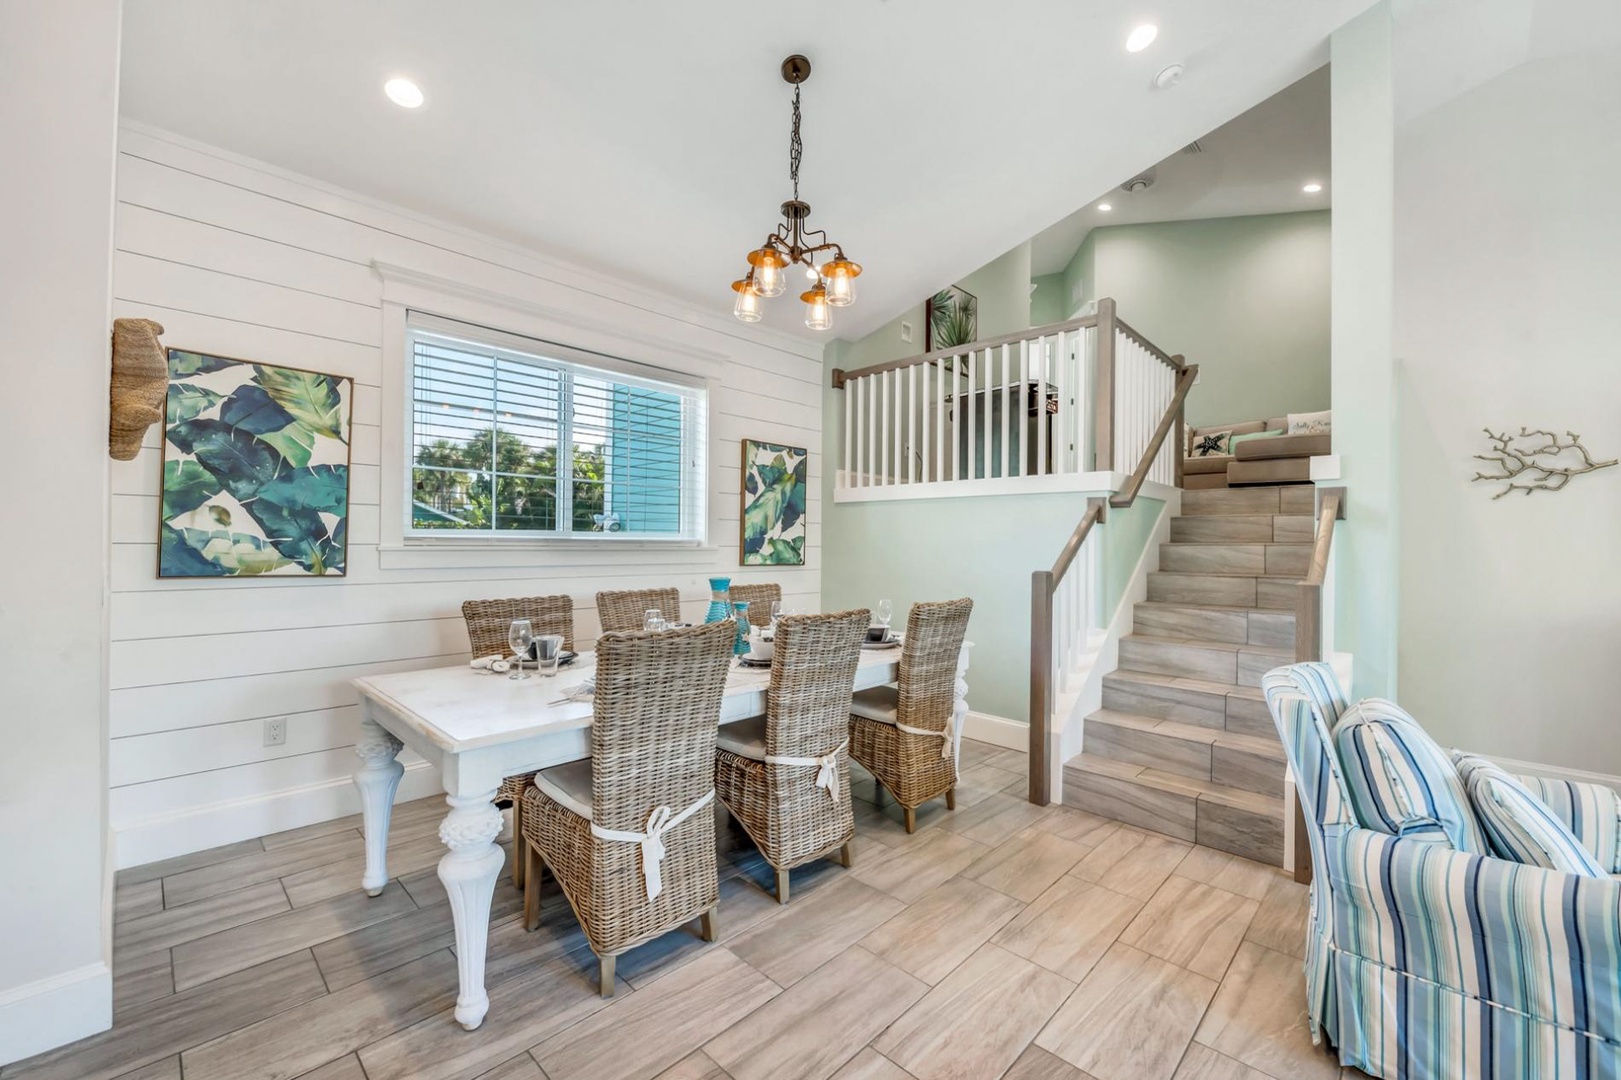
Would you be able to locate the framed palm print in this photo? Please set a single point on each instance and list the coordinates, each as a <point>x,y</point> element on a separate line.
<point>255,470</point>
<point>773,504</point>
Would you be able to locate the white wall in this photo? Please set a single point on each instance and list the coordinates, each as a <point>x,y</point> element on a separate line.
<point>1508,228</point>
<point>244,260</point>
<point>58,111</point>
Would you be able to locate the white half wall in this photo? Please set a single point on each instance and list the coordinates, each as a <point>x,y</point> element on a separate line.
<point>239,258</point>
<point>58,122</point>
<point>1506,278</point>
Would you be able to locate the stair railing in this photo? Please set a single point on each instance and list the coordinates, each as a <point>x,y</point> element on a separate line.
<point>1063,611</point>
<point>1310,642</point>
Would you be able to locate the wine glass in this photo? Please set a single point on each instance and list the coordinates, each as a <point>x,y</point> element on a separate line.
<point>519,635</point>
<point>776,613</point>
<point>653,620</point>
<point>885,611</point>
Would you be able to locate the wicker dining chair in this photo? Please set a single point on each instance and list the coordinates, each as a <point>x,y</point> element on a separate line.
<point>905,734</point>
<point>759,598</point>
<point>597,824</point>
<point>785,776</point>
<point>488,622</point>
<point>625,611</point>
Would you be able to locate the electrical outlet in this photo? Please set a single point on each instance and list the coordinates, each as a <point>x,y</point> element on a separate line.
<point>276,731</point>
<point>906,332</point>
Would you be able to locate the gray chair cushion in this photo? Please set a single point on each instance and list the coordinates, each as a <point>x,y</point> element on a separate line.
<point>745,738</point>
<point>568,785</point>
<point>880,703</point>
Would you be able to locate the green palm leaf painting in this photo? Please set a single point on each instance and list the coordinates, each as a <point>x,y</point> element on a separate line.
<point>775,480</point>
<point>255,470</point>
<point>952,319</point>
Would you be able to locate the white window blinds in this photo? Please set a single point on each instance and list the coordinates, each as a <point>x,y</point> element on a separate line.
<point>513,436</point>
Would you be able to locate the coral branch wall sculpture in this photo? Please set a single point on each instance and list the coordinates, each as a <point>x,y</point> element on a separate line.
<point>1537,460</point>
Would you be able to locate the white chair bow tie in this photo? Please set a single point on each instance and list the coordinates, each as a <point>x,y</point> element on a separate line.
<point>661,820</point>
<point>827,767</point>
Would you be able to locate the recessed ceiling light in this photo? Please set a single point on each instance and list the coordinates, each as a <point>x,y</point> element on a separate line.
<point>1105,207</point>
<point>1142,37</point>
<point>403,92</point>
<point>1312,188</point>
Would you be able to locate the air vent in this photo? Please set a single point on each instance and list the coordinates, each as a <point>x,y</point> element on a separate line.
<point>1193,148</point>
<point>1141,182</point>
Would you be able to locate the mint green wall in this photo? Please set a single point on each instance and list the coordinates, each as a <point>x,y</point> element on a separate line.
<point>1125,534</point>
<point>1002,287</point>
<point>1245,298</point>
<point>1048,300</point>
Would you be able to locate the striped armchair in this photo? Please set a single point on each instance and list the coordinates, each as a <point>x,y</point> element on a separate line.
<point>1423,961</point>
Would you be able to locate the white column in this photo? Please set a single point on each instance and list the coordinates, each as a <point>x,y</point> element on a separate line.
<point>468,872</point>
<point>377,778</point>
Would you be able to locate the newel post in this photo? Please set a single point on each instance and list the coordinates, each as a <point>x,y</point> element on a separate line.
<point>1103,383</point>
<point>1041,674</point>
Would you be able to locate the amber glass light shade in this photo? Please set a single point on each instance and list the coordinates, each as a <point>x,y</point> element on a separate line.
<point>768,264</point>
<point>840,275</point>
<point>747,307</point>
<point>818,314</point>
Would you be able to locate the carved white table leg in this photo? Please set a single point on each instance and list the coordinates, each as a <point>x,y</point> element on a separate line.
<point>959,709</point>
<point>468,872</point>
<point>377,778</point>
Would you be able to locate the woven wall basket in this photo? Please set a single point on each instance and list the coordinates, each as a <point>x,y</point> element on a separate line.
<point>140,384</point>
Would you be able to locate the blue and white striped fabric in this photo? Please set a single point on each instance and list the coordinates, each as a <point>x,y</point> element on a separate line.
<point>1520,826</point>
<point>1433,964</point>
<point>1400,781</point>
<point>1591,811</point>
<point>1305,700</point>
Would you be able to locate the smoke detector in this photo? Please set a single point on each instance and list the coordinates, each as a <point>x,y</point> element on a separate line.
<point>1168,77</point>
<point>1141,182</point>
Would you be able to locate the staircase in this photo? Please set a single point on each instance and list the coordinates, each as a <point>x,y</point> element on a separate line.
<point>1184,744</point>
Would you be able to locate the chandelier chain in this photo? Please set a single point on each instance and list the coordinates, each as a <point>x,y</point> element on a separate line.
<point>796,148</point>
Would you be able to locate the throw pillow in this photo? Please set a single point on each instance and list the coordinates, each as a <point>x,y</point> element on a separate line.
<point>1311,423</point>
<point>1401,782</point>
<point>1214,444</point>
<point>1592,812</point>
<point>1520,826</point>
<point>1236,439</point>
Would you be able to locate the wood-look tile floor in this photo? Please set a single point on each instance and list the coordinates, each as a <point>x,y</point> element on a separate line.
<point>999,940</point>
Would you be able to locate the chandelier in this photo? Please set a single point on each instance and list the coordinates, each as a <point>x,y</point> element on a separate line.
<point>789,244</point>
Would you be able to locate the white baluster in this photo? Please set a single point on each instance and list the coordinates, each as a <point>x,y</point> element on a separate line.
<point>1043,370</point>
<point>1007,409</point>
<point>898,407</point>
<point>911,424</point>
<point>972,410</point>
<point>925,406</point>
<point>1022,421</point>
<point>1060,432</point>
<point>872,430</point>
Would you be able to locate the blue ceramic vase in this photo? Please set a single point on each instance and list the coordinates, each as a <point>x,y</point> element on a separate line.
<point>741,647</point>
<point>720,600</point>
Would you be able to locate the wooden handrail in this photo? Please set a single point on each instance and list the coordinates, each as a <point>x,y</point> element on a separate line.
<point>1097,511</point>
<point>840,376</point>
<point>1309,634</point>
<point>1172,418</point>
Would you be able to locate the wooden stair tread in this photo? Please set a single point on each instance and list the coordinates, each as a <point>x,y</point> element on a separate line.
<point>1188,605</point>
<point>1204,790</point>
<point>1182,682</point>
<point>1175,729</point>
<point>1214,646</point>
<point>1292,578</point>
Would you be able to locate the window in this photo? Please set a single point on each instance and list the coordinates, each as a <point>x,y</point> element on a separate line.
<point>511,436</point>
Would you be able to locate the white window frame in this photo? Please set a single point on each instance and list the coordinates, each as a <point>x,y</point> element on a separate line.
<point>412,299</point>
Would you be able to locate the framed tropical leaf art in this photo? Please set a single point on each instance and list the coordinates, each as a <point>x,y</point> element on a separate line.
<point>773,512</point>
<point>255,470</point>
<point>952,319</point>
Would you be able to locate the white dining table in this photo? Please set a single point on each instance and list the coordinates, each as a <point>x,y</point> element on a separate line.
<point>478,728</point>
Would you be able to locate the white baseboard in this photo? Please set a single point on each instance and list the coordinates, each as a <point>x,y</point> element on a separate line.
<point>202,827</point>
<point>996,730</point>
<point>1556,772</point>
<point>48,1013</point>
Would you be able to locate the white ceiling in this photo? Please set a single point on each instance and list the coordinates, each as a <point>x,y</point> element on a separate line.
<point>1257,163</point>
<point>650,139</point>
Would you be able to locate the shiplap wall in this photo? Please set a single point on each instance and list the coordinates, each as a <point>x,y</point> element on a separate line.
<point>244,260</point>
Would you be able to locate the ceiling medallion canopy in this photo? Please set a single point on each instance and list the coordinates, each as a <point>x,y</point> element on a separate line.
<point>790,244</point>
